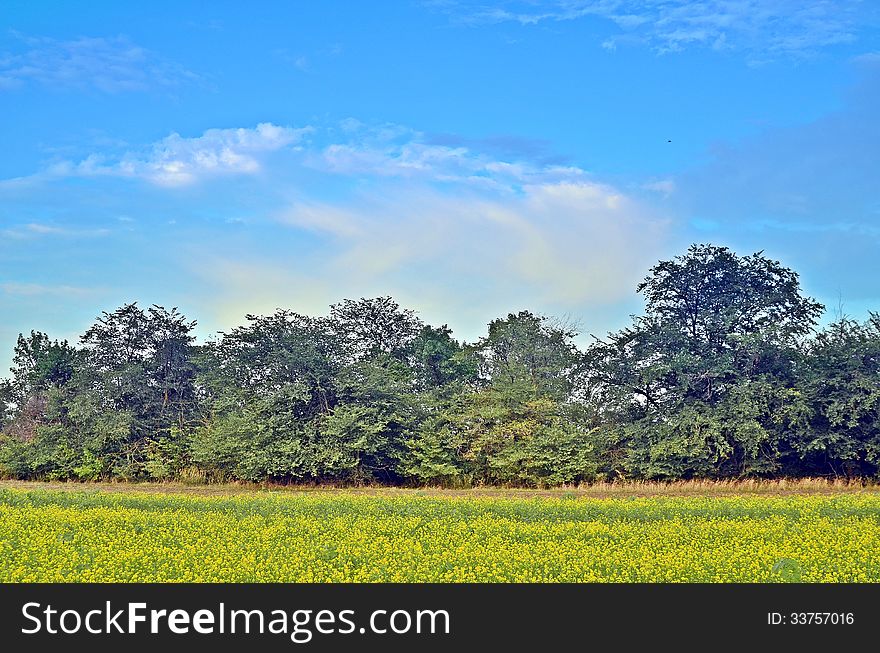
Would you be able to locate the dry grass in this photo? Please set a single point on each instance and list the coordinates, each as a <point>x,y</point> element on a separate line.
<point>750,487</point>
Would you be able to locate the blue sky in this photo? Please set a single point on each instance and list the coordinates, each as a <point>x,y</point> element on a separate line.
<point>469,159</point>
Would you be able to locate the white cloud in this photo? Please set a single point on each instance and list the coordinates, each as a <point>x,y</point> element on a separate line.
<point>44,229</point>
<point>547,231</point>
<point>385,151</point>
<point>179,161</point>
<point>302,63</point>
<point>305,62</point>
<point>111,65</point>
<point>868,58</point>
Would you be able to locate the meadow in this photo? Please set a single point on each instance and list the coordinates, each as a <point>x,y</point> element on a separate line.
<point>76,533</point>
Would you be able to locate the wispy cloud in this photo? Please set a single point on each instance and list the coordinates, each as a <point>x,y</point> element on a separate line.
<point>299,61</point>
<point>395,151</point>
<point>566,243</point>
<point>39,290</point>
<point>808,227</point>
<point>503,146</point>
<point>459,256</point>
<point>110,65</point>
<point>663,187</point>
<point>764,28</point>
<point>305,62</point>
<point>38,229</point>
<point>351,149</point>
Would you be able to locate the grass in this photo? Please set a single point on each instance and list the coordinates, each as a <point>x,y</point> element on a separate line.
<point>709,488</point>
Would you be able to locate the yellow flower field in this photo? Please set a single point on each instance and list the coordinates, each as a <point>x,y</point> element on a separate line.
<point>49,536</point>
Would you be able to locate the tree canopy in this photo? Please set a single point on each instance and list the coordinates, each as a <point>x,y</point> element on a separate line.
<point>724,375</point>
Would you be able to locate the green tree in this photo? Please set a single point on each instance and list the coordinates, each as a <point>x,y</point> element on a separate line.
<point>138,364</point>
<point>516,424</point>
<point>841,388</point>
<point>703,383</point>
<point>528,348</point>
<point>392,362</point>
<point>364,437</point>
<point>41,370</point>
<point>268,386</point>
<point>439,361</point>
<point>118,405</point>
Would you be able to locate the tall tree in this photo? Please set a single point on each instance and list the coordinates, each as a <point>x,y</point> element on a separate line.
<point>138,370</point>
<point>438,360</point>
<point>698,385</point>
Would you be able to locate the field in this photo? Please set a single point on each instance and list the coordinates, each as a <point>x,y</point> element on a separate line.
<point>646,533</point>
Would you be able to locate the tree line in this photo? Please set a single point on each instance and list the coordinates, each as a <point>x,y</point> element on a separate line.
<point>724,375</point>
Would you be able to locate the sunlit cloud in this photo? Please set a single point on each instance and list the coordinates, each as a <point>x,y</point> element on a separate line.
<point>180,161</point>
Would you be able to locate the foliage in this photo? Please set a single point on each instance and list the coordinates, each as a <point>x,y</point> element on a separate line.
<point>705,383</point>
<point>841,387</point>
<point>109,408</point>
<point>722,376</point>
